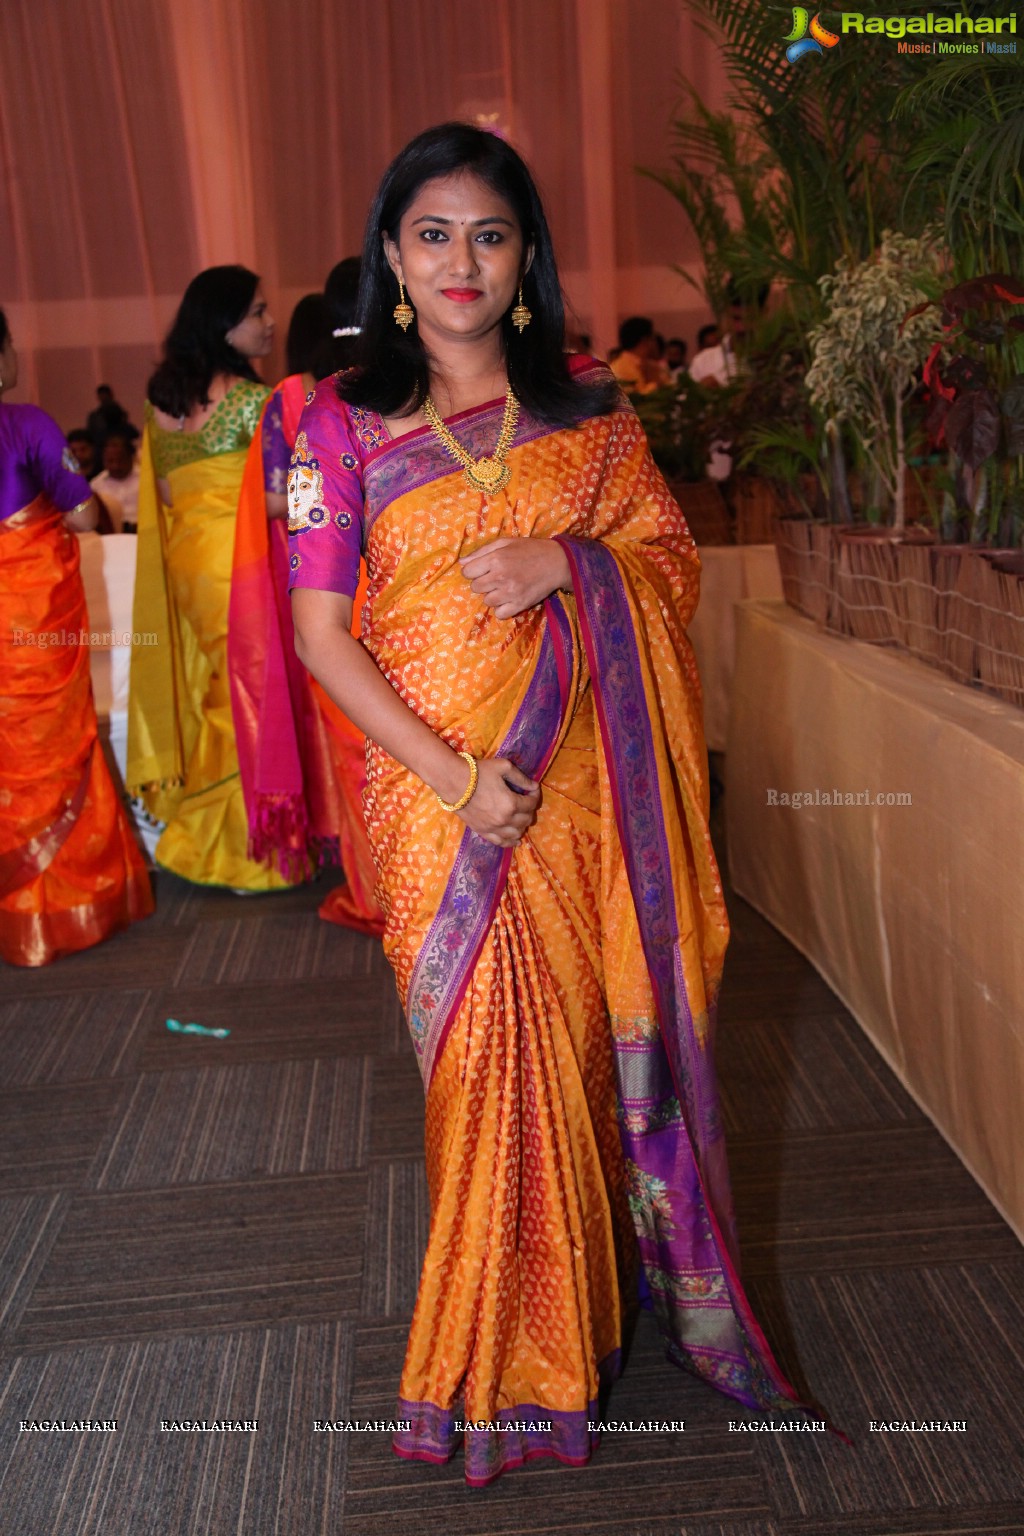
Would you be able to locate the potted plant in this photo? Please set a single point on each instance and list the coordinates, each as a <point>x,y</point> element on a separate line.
<point>680,426</point>
<point>868,352</point>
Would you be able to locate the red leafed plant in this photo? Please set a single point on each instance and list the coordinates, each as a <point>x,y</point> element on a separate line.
<point>975,377</point>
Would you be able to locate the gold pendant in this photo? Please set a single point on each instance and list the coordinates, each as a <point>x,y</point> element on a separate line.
<point>489,475</point>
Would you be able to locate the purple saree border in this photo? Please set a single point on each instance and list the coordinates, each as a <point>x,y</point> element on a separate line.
<point>754,1377</point>
<point>554,1433</point>
<point>456,936</point>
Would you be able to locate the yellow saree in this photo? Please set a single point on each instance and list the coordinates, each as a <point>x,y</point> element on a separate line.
<point>182,757</point>
<point>560,995</point>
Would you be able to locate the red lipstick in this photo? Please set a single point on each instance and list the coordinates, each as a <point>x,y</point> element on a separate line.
<point>462,295</point>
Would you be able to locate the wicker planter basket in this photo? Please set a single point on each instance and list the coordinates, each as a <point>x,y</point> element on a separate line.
<point>951,605</point>
<point>928,606</point>
<point>805,552</point>
<point>864,586</point>
<point>997,594</point>
<point>758,508</point>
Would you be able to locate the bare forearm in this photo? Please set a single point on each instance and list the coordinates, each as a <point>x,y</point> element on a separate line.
<point>83,518</point>
<point>352,679</point>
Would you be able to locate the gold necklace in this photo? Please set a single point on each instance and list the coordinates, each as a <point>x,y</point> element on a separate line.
<point>490,474</point>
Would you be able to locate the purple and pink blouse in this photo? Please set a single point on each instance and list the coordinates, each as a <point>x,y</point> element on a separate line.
<point>34,459</point>
<point>327,512</point>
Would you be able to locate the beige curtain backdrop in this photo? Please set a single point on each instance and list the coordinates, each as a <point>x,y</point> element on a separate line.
<point>141,140</point>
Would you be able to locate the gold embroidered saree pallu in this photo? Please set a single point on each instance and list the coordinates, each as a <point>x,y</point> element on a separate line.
<point>560,995</point>
<point>70,873</point>
<point>182,756</point>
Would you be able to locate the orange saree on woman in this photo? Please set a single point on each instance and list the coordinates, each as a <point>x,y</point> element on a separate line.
<point>302,763</point>
<point>560,995</point>
<point>70,872</point>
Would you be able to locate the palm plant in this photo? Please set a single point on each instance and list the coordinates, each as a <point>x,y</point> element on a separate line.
<point>803,169</point>
<point>968,153</point>
<point>967,116</point>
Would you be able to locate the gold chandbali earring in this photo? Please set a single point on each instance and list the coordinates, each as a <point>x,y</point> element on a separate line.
<point>521,316</point>
<point>490,474</point>
<point>404,312</point>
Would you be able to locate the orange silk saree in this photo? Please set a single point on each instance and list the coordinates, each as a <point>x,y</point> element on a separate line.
<point>560,995</point>
<point>70,871</point>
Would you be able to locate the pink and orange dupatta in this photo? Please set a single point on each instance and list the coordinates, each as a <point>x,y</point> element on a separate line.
<point>302,762</point>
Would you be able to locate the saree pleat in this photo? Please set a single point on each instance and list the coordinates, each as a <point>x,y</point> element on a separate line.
<point>182,756</point>
<point>561,995</point>
<point>70,871</point>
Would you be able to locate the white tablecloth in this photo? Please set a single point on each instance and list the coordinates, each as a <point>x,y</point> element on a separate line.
<point>729,574</point>
<point>108,574</point>
<point>913,913</point>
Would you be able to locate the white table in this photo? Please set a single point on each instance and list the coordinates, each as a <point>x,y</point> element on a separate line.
<point>912,913</point>
<point>729,574</point>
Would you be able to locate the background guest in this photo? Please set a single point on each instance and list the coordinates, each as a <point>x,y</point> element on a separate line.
<point>636,365</point>
<point>84,452</point>
<point>675,358</point>
<point>708,336</point>
<point>117,484</point>
<point>107,418</point>
<point>70,873</point>
<point>204,406</point>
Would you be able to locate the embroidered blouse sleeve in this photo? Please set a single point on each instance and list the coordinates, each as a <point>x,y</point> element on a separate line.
<point>325,497</point>
<point>54,465</point>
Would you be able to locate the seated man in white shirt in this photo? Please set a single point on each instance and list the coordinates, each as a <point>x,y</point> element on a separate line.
<point>716,365</point>
<point>118,484</point>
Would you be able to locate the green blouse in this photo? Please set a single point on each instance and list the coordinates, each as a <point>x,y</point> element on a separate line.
<point>232,425</point>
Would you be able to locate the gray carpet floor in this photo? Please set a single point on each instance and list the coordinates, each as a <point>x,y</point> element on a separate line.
<point>199,1228</point>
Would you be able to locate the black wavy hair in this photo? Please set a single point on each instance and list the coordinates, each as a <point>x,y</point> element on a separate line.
<point>393,375</point>
<point>5,330</point>
<point>341,291</point>
<point>197,347</point>
<point>308,327</point>
<point>636,329</point>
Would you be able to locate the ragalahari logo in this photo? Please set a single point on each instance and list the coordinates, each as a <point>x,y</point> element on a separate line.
<point>808,35</point>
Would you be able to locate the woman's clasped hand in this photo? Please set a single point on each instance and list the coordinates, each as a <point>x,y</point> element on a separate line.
<point>504,803</point>
<point>512,575</point>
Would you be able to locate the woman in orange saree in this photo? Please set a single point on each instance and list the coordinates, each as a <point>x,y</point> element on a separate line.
<point>302,763</point>
<point>70,871</point>
<point>556,925</point>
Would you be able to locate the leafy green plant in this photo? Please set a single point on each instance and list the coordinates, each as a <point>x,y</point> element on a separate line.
<point>870,347</point>
<point>681,421</point>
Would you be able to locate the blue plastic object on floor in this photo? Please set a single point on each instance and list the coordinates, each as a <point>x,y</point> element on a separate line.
<point>197,1029</point>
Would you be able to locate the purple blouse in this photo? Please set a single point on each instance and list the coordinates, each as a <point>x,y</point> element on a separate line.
<point>325,491</point>
<point>34,457</point>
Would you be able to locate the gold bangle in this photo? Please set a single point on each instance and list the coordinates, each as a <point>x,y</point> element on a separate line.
<point>474,775</point>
